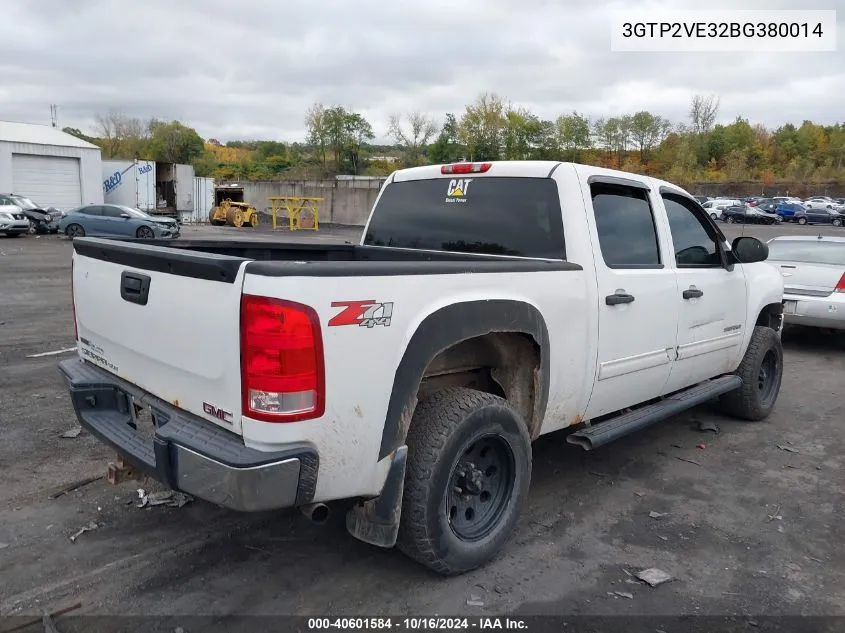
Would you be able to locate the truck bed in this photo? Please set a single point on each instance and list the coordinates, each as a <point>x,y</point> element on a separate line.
<point>221,260</point>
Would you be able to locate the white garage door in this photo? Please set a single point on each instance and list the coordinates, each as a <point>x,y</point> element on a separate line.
<point>51,181</point>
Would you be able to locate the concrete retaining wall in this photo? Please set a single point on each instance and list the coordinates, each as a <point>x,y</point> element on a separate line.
<point>344,202</point>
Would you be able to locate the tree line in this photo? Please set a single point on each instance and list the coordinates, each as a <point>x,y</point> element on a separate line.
<point>340,141</point>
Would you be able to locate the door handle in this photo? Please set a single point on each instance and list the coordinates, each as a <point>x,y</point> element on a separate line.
<point>617,298</point>
<point>692,293</point>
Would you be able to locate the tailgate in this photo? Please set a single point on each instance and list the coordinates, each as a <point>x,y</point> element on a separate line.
<point>164,319</point>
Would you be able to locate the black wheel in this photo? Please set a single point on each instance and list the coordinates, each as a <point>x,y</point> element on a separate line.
<point>33,228</point>
<point>837,222</point>
<point>761,371</point>
<point>468,471</point>
<point>145,233</point>
<point>729,219</point>
<point>802,220</point>
<point>74,230</point>
<point>714,216</point>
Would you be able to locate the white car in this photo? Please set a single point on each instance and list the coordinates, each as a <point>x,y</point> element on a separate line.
<point>13,222</point>
<point>486,304</point>
<point>813,270</point>
<point>823,202</point>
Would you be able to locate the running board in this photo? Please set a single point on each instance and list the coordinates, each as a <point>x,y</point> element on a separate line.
<point>625,423</point>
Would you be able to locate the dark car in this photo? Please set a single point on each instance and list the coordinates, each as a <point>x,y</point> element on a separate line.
<point>702,199</point>
<point>769,205</point>
<point>40,220</point>
<point>747,215</point>
<point>819,216</point>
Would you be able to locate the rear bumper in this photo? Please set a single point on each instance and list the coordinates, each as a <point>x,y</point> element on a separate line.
<point>823,312</point>
<point>188,453</point>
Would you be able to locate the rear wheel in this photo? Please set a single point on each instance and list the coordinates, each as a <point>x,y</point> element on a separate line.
<point>761,371</point>
<point>469,467</point>
<point>75,230</point>
<point>713,216</point>
<point>802,220</point>
<point>837,222</point>
<point>729,219</point>
<point>144,233</point>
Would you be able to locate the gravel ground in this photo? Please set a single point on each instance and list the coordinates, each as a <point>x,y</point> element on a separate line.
<point>747,528</point>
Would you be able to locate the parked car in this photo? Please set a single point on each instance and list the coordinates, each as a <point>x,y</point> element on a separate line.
<point>818,216</point>
<point>767,204</point>
<point>822,202</point>
<point>702,199</point>
<point>813,270</point>
<point>12,220</point>
<point>747,215</point>
<point>715,206</point>
<point>787,200</point>
<point>787,210</point>
<point>117,220</point>
<point>40,220</point>
<point>518,323</point>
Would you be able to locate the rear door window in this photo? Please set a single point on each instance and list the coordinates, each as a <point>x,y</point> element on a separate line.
<point>489,215</point>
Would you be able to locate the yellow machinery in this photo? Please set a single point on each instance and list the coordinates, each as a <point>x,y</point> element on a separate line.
<point>296,207</point>
<point>236,214</point>
<point>231,208</point>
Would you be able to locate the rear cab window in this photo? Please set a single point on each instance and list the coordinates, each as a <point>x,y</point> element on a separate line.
<point>486,215</point>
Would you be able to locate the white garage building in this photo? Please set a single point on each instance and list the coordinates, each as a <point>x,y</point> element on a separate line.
<point>53,168</point>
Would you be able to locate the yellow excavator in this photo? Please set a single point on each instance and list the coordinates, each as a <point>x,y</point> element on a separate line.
<point>230,208</point>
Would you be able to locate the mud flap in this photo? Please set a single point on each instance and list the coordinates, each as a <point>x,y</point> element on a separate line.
<point>376,521</point>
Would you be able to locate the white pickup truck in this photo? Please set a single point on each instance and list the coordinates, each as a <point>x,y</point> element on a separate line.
<point>487,304</point>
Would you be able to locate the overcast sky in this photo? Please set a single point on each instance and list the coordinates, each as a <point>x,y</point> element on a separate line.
<point>250,69</point>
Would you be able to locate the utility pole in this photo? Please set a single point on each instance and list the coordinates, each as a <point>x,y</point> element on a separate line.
<point>54,114</point>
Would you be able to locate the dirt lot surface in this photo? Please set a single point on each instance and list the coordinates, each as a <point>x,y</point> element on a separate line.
<point>751,522</point>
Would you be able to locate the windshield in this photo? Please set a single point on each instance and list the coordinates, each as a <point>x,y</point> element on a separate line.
<point>808,251</point>
<point>135,213</point>
<point>24,203</point>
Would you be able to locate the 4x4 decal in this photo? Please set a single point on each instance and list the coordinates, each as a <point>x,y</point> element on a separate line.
<point>367,313</point>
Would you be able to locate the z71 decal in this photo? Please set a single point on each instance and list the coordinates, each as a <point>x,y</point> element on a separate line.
<point>367,313</point>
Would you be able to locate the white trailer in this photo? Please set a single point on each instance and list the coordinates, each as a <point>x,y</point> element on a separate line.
<point>131,183</point>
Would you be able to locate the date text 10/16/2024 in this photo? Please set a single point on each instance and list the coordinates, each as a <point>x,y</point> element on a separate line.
<point>418,624</point>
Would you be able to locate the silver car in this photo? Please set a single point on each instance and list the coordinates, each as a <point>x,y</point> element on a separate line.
<point>813,269</point>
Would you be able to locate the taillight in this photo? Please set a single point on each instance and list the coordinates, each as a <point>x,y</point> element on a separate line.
<point>465,168</point>
<point>73,303</point>
<point>840,287</point>
<point>282,369</point>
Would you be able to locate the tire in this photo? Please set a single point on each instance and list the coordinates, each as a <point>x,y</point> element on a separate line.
<point>713,216</point>
<point>761,371</point>
<point>447,427</point>
<point>145,233</point>
<point>74,230</point>
<point>801,221</point>
<point>33,228</point>
<point>729,219</point>
<point>837,222</point>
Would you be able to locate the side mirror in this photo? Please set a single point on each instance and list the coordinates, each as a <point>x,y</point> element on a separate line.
<point>125,215</point>
<point>748,250</point>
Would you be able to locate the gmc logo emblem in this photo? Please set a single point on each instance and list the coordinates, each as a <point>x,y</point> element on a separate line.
<point>220,414</point>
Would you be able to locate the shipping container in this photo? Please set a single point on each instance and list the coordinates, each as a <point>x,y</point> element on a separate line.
<point>203,199</point>
<point>131,183</point>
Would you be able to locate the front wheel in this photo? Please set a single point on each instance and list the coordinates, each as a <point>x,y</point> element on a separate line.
<point>729,219</point>
<point>467,477</point>
<point>74,230</point>
<point>761,371</point>
<point>144,233</point>
<point>802,221</point>
<point>713,216</point>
